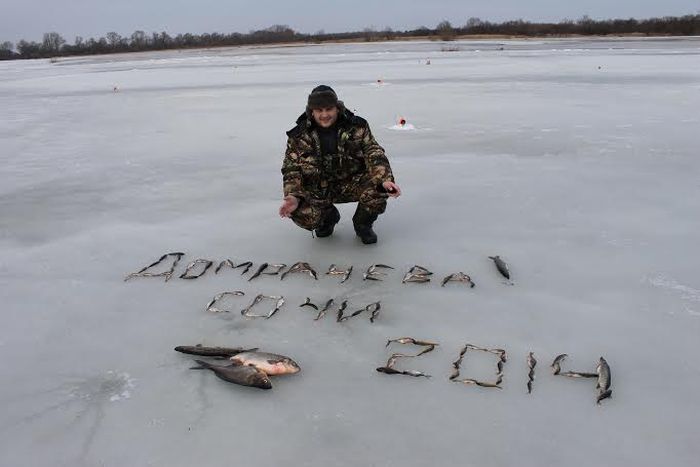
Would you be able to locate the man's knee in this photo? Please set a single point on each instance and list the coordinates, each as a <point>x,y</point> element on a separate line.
<point>374,201</point>
<point>309,216</point>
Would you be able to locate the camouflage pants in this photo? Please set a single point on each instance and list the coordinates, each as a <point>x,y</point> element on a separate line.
<point>311,211</point>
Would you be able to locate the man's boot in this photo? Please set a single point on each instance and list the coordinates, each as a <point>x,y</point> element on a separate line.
<point>328,222</point>
<point>362,221</point>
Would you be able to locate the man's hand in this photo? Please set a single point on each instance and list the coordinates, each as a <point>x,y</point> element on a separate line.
<point>289,205</point>
<point>392,189</point>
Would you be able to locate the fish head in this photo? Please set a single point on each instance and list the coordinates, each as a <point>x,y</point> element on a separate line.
<point>261,380</point>
<point>287,366</point>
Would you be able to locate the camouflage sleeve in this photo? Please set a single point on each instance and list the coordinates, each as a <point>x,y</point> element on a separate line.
<point>291,171</point>
<point>377,162</point>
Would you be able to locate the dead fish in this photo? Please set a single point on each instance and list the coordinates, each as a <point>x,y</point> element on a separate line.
<point>300,267</point>
<point>373,309</point>
<point>604,380</point>
<point>420,270</point>
<point>167,274</point>
<point>187,274</point>
<point>323,311</point>
<point>369,277</point>
<point>344,272</point>
<point>217,297</point>
<point>272,364</point>
<point>501,266</point>
<point>373,274</point>
<point>603,395</point>
<point>247,265</point>
<point>199,349</point>
<point>226,262</point>
<point>342,308</point>
<point>392,371</point>
<point>483,384</point>
<point>262,267</point>
<point>458,277</point>
<point>576,374</point>
<point>556,364</point>
<point>238,374</point>
<point>258,299</point>
<point>278,268</point>
<point>308,303</point>
<point>531,363</point>
<point>410,340</point>
<point>419,278</point>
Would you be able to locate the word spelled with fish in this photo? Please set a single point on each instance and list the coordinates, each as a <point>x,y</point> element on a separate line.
<point>375,272</point>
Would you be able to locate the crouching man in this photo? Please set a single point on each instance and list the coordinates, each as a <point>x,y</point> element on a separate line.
<point>332,158</point>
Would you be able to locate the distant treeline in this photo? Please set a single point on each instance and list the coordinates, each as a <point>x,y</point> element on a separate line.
<point>53,45</point>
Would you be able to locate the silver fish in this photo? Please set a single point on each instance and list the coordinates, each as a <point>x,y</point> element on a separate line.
<point>373,274</point>
<point>272,364</point>
<point>392,371</point>
<point>238,374</point>
<point>483,384</point>
<point>323,310</point>
<point>278,268</point>
<point>577,374</point>
<point>300,267</point>
<point>217,297</point>
<point>604,380</point>
<point>556,364</point>
<point>258,299</point>
<point>344,272</point>
<point>187,274</point>
<point>226,262</point>
<point>501,266</point>
<point>410,340</point>
<point>247,265</point>
<point>458,277</point>
<point>531,363</point>
<point>262,267</point>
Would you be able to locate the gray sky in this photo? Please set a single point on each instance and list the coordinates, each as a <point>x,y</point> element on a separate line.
<point>29,19</point>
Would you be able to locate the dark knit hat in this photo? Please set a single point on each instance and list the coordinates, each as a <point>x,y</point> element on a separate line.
<point>322,96</point>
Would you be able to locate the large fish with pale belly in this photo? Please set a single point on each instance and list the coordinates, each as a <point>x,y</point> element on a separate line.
<point>272,364</point>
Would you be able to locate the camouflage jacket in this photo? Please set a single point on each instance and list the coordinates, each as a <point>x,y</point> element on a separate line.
<point>307,173</point>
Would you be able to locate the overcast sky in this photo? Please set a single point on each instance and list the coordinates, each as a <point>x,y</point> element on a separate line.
<point>29,19</point>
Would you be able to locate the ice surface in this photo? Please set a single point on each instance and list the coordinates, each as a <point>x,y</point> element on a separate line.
<point>575,160</point>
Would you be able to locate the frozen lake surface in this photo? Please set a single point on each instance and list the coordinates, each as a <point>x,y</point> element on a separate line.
<point>576,161</point>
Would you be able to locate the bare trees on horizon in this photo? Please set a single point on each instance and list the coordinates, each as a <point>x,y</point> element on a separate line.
<point>53,44</point>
